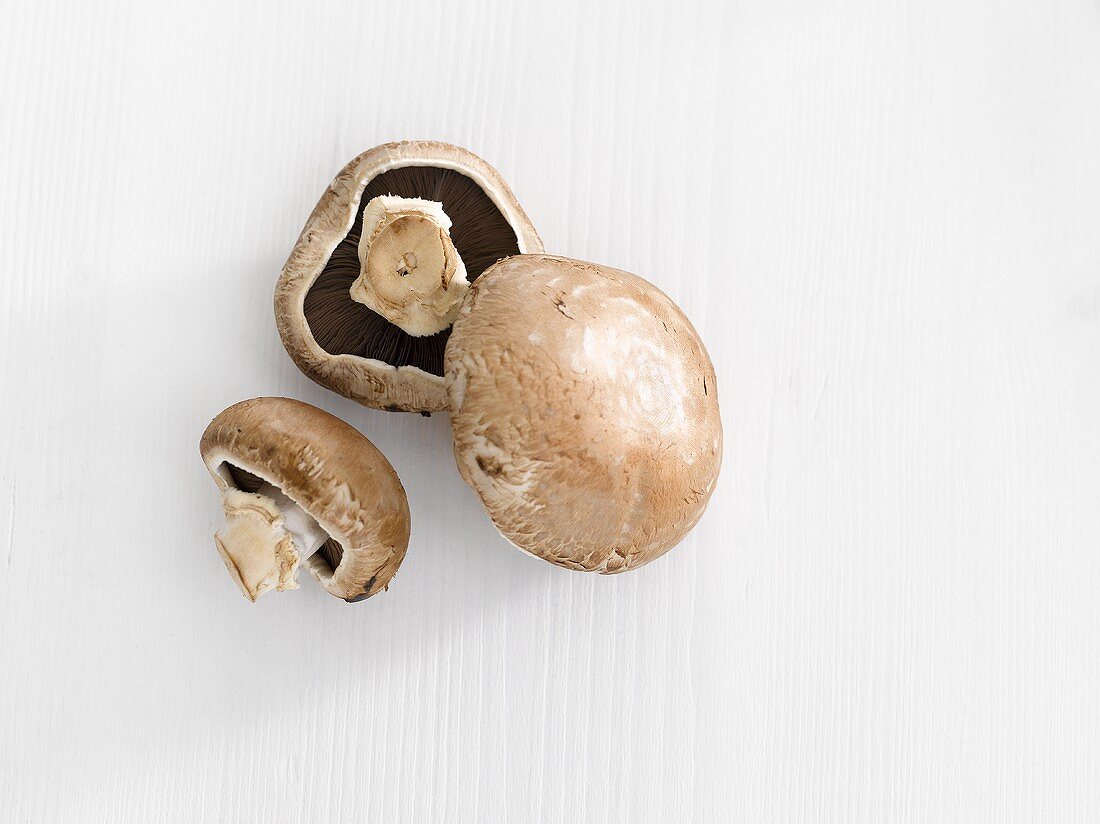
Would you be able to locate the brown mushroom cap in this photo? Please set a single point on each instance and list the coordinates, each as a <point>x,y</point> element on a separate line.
<point>342,344</point>
<point>584,410</point>
<point>328,469</point>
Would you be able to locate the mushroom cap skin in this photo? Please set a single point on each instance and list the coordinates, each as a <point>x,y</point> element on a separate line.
<point>331,471</point>
<point>367,380</point>
<point>584,410</point>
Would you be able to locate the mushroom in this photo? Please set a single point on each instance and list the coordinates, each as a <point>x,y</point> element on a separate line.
<point>366,300</point>
<point>584,411</point>
<point>301,486</point>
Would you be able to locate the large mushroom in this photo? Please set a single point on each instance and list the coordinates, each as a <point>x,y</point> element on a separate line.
<point>366,300</point>
<point>584,410</point>
<point>298,486</point>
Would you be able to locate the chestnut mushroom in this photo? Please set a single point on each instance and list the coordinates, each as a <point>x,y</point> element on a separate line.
<point>365,302</point>
<point>301,486</point>
<point>584,410</point>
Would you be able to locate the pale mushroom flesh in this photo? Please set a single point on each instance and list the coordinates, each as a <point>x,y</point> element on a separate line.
<point>410,271</point>
<point>267,537</point>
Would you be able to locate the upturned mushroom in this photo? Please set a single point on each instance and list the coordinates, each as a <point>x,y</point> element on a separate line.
<point>300,486</point>
<point>365,302</point>
<point>584,409</point>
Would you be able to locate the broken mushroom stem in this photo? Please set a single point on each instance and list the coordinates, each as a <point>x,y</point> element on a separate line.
<point>266,538</point>
<point>410,272</point>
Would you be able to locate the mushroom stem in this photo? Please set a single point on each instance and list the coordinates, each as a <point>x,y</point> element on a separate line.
<point>306,532</point>
<point>410,272</point>
<point>265,539</point>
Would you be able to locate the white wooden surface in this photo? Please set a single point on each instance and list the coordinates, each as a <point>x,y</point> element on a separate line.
<point>884,218</point>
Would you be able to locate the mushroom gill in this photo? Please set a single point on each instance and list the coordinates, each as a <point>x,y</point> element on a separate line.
<point>479,231</point>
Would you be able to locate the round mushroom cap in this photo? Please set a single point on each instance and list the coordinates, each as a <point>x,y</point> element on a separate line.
<point>584,409</point>
<point>331,471</point>
<point>341,343</point>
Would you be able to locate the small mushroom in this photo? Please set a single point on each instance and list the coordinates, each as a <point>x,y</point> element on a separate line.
<point>584,410</point>
<point>301,486</point>
<point>366,300</point>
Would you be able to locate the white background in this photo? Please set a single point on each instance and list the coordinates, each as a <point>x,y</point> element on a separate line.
<point>884,219</point>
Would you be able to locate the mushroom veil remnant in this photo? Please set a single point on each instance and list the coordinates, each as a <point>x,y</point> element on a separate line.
<point>300,486</point>
<point>584,410</point>
<point>366,300</point>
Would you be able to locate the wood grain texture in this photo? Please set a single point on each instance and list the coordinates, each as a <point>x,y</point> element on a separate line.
<point>882,218</point>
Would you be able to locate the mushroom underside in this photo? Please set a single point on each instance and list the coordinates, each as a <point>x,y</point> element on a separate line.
<point>330,551</point>
<point>479,231</point>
